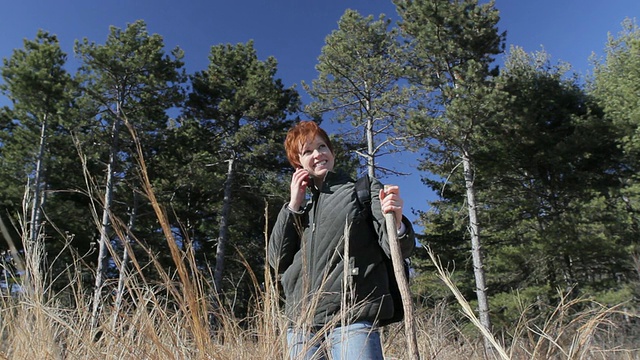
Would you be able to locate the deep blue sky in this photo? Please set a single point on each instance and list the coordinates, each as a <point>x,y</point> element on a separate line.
<point>293,31</point>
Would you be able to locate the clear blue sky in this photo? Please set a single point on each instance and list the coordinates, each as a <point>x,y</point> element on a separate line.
<point>293,31</point>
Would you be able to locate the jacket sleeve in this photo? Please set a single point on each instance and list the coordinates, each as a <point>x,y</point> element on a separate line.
<point>407,240</point>
<point>284,240</point>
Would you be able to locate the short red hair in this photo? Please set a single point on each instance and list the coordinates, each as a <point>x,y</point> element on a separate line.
<point>303,132</point>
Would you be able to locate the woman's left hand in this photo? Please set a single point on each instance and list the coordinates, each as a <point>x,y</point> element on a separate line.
<point>390,201</point>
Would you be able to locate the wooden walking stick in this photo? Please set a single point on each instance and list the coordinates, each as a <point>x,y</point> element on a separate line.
<point>403,285</point>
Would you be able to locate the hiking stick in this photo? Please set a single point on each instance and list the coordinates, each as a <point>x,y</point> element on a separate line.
<point>403,285</point>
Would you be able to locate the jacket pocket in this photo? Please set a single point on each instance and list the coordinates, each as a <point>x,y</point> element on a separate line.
<point>290,277</point>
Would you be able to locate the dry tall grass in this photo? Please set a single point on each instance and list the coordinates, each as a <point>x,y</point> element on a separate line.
<point>169,320</point>
<point>154,325</point>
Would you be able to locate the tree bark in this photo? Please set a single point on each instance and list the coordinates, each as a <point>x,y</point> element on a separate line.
<point>223,234</point>
<point>38,196</point>
<point>123,272</point>
<point>105,224</point>
<point>476,247</point>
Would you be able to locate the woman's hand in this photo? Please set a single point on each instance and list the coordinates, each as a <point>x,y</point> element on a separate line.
<point>390,201</point>
<point>299,182</point>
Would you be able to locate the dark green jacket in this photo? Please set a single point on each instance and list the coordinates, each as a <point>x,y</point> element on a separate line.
<point>307,249</point>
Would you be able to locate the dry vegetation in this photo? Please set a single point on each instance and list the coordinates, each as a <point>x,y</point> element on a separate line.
<point>159,321</point>
<point>175,319</point>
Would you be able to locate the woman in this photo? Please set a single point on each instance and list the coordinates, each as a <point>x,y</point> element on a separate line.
<point>333,306</point>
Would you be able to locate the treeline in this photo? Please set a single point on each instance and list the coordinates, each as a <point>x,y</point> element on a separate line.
<point>535,168</point>
<point>76,143</point>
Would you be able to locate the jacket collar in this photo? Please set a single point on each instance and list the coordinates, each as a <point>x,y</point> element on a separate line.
<point>331,178</point>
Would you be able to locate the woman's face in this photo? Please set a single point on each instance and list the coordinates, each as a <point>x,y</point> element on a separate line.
<point>316,157</point>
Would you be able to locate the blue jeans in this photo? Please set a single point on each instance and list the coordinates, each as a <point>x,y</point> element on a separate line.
<point>357,341</point>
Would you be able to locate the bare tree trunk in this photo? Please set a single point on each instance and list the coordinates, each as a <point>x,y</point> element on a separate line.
<point>38,191</point>
<point>124,274</point>
<point>223,234</point>
<point>371,161</point>
<point>371,168</point>
<point>105,224</point>
<point>476,247</point>
<point>34,247</point>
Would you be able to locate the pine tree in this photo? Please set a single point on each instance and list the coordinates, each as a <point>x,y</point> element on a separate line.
<point>452,45</point>
<point>358,84</point>
<point>242,107</point>
<point>127,81</point>
<point>40,91</point>
<point>616,87</point>
<point>549,165</point>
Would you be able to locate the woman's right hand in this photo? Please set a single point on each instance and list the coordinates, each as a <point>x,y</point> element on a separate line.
<point>299,182</point>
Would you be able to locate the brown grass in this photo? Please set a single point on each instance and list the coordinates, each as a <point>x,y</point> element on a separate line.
<point>168,320</point>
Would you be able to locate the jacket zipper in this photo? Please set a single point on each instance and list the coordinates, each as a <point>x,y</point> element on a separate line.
<point>312,243</point>
<point>317,209</point>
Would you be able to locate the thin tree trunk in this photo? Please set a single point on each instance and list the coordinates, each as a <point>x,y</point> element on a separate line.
<point>371,161</point>
<point>371,168</point>
<point>34,250</point>
<point>476,248</point>
<point>223,234</point>
<point>105,225</point>
<point>124,274</point>
<point>38,199</point>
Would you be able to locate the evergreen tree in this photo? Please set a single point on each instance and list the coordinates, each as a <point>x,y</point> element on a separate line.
<point>452,45</point>
<point>548,185</point>
<point>616,86</point>
<point>128,81</point>
<point>40,91</point>
<point>241,109</point>
<point>358,84</point>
